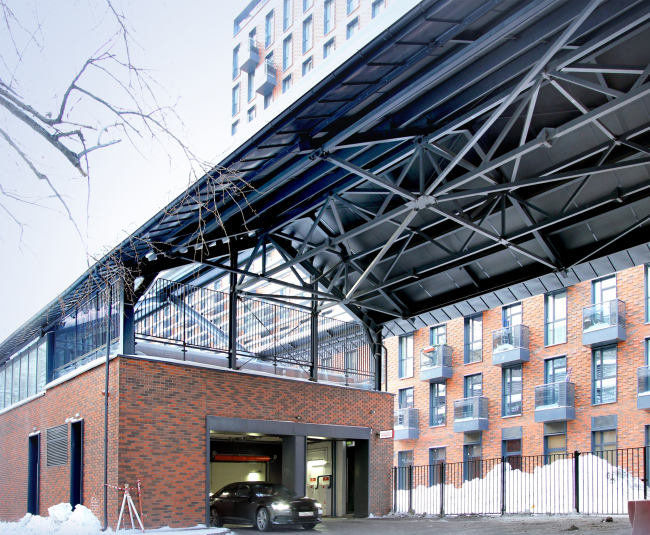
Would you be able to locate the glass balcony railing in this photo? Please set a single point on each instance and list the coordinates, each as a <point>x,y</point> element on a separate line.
<point>643,381</point>
<point>435,357</point>
<point>515,337</point>
<point>471,408</point>
<point>562,394</point>
<point>407,418</point>
<point>602,315</point>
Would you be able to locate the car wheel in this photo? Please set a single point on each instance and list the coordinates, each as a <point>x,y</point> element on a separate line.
<point>215,520</point>
<point>262,519</point>
<point>309,526</point>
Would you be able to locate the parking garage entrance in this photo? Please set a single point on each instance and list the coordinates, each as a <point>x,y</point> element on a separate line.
<point>329,463</point>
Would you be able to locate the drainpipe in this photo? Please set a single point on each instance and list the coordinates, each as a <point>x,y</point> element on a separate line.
<point>108,353</point>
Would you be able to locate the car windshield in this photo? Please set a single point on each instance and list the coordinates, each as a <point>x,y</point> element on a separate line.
<point>271,490</point>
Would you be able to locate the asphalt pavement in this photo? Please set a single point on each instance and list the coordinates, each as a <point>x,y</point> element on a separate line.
<point>508,525</point>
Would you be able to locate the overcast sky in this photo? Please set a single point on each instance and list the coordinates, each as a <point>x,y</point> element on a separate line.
<point>187,47</point>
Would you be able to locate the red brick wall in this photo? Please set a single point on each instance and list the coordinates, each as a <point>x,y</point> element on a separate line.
<point>630,355</point>
<point>83,395</point>
<point>163,428</point>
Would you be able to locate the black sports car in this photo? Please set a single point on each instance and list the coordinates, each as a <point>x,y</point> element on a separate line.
<point>263,505</point>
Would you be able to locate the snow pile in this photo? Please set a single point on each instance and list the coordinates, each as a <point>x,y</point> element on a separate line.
<point>62,520</point>
<point>548,489</point>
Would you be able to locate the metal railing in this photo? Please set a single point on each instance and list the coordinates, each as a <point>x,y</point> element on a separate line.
<point>599,482</point>
<point>407,418</point>
<point>643,380</point>
<point>515,337</point>
<point>269,67</point>
<point>270,337</point>
<point>562,394</point>
<point>601,315</point>
<point>435,357</point>
<point>471,408</point>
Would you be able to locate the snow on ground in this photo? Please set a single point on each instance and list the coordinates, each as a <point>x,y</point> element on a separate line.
<point>62,520</point>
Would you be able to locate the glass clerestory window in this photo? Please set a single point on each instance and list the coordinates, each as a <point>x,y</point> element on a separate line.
<point>24,374</point>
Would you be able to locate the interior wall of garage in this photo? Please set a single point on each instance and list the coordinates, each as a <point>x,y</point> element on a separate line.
<point>165,423</point>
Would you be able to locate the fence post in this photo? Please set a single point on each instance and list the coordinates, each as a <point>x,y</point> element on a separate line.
<point>410,483</point>
<point>576,481</point>
<point>503,485</point>
<point>645,472</point>
<point>395,489</point>
<point>442,488</point>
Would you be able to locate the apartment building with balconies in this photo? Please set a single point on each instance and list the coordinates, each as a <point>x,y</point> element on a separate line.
<point>565,370</point>
<point>276,43</point>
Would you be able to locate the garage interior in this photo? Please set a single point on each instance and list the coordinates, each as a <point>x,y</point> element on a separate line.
<point>329,466</point>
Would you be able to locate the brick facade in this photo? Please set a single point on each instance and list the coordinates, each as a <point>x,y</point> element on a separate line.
<point>158,433</point>
<point>630,355</point>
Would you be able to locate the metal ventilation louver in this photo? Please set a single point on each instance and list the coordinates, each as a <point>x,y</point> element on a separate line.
<point>57,445</point>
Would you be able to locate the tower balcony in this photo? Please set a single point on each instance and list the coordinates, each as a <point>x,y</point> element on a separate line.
<point>604,323</point>
<point>435,364</point>
<point>251,56</point>
<point>471,414</point>
<point>265,78</point>
<point>643,388</point>
<point>555,402</point>
<point>510,345</point>
<point>406,424</point>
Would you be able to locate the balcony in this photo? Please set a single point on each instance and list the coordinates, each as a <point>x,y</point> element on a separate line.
<point>604,323</point>
<point>251,56</point>
<point>435,364</point>
<point>643,388</point>
<point>265,79</point>
<point>471,414</point>
<point>555,402</point>
<point>406,424</point>
<point>510,345</point>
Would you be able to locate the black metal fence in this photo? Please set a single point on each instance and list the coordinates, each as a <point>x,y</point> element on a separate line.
<point>591,483</point>
<point>270,337</point>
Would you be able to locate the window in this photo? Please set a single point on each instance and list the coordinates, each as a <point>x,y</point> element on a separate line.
<point>307,34</point>
<point>555,370</point>
<point>287,53</point>
<point>473,385</point>
<point>286,14</point>
<point>438,335</point>
<point>267,100</point>
<point>605,444</point>
<point>473,339</point>
<point>512,452</point>
<point>472,465</point>
<point>554,443</point>
<point>235,62</point>
<point>251,114</point>
<point>603,290</point>
<point>647,351</point>
<point>511,404</point>
<point>555,318</point>
<point>307,66</point>
<point>2,387</point>
<point>511,315</point>
<point>328,16</point>
<point>604,375</point>
<point>352,28</point>
<point>251,86</point>
<point>405,398</point>
<point>286,84</point>
<point>405,363</point>
<point>437,404</point>
<point>352,5</point>
<point>377,7</point>
<point>437,458</point>
<point>307,4</point>
<point>268,30</point>
<point>647,293</point>
<point>233,128</point>
<point>328,48</point>
<point>235,100</point>
<point>404,460</point>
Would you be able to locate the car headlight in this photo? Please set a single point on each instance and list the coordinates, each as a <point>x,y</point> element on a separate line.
<point>318,505</point>
<point>281,506</point>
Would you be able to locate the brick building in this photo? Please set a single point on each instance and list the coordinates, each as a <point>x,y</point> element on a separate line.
<point>552,373</point>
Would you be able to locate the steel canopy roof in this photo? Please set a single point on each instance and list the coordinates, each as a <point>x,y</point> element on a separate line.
<point>475,153</point>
